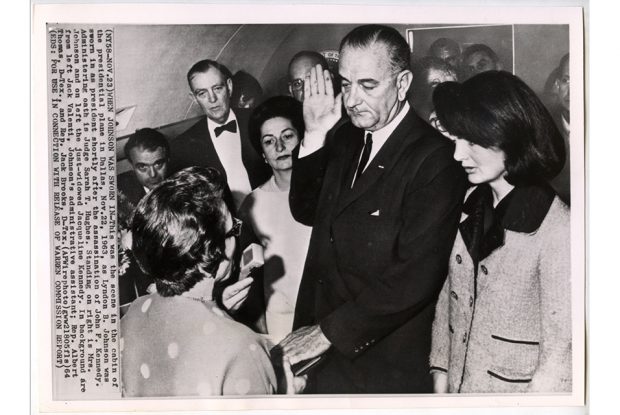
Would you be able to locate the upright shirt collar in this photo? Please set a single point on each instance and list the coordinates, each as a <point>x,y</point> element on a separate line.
<point>212,124</point>
<point>521,210</point>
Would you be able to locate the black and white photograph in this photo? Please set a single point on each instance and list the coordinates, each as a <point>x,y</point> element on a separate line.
<point>272,207</point>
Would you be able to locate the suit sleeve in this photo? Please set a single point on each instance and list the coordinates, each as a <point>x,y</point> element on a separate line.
<point>306,184</point>
<point>554,372</point>
<point>429,218</point>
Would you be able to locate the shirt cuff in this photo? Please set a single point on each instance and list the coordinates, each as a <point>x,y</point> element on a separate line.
<point>311,143</point>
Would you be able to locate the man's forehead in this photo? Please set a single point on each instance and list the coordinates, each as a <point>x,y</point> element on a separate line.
<point>301,66</point>
<point>476,56</point>
<point>371,58</point>
<point>447,51</point>
<point>142,153</point>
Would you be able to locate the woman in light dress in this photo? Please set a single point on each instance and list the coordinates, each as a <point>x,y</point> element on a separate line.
<point>276,128</point>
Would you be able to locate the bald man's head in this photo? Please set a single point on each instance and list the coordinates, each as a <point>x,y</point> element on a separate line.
<point>299,67</point>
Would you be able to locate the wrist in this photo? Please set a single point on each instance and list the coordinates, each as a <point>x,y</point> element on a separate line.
<point>321,336</point>
<point>313,141</point>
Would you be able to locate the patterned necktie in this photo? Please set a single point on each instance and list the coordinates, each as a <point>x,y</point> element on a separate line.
<point>231,126</point>
<point>365,156</point>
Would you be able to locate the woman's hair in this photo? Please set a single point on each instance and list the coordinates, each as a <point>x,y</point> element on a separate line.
<point>280,106</point>
<point>178,229</point>
<point>496,109</point>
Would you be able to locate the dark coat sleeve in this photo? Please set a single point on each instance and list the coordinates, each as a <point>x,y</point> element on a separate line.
<point>306,184</point>
<point>430,212</point>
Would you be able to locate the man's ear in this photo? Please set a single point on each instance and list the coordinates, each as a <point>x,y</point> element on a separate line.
<point>290,89</point>
<point>403,82</point>
<point>229,84</point>
<point>192,97</point>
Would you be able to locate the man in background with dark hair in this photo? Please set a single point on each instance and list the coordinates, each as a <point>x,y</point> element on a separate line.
<point>148,153</point>
<point>220,138</point>
<point>384,199</point>
<point>447,50</point>
<point>247,92</point>
<point>478,58</point>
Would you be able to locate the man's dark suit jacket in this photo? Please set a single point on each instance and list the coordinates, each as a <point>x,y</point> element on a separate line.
<point>128,185</point>
<point>195,148</point>
<point>378,254</point>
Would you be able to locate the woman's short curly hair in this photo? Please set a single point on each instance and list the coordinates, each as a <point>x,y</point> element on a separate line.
<point>496,109</point>
<point>178,229</point>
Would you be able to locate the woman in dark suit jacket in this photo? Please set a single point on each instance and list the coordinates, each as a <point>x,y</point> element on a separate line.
<point>503,319</point>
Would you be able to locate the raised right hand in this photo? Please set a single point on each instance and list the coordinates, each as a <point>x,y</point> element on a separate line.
<point>321,110</point>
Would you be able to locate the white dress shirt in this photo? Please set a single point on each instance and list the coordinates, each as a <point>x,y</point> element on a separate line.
<point>313,142</point>
<point>228,148</point>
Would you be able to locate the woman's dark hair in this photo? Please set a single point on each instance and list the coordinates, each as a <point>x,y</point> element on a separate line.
<point>280,106</point>
<point>497,109</point>
<point>178,229</point>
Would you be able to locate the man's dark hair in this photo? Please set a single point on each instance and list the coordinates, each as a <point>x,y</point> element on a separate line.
<point>147,139</point>
<point>420,68</point>
<point>395,43</point>
<point>206,64</point>
<point>496,109</point>
<point>245,84</point>
<point>280,106</point>
<point>443,43</point>
<point>178,230</point>
<point>479,47</point>
<point>316,57</point>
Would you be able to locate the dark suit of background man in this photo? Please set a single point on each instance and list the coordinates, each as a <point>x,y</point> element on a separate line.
<point>148,152</point>
<point>220,139</point>
<point>380,244</point>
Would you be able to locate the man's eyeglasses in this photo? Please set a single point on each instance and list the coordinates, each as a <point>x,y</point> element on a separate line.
<point>297,84</point>
<point>235,231</point>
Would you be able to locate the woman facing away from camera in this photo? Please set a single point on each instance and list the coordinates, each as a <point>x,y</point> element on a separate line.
<point>503,319</point>
<point>177,342</point>
<point>276,128</point>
